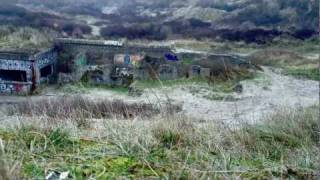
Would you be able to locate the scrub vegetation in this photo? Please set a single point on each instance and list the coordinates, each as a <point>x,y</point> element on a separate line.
<point>12,37</point>
<point>285,145</point>
<point>301,61</point>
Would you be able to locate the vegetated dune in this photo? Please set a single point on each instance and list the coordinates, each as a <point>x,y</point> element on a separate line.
<point>251,21</point>
<point>18,16</point>
<point>12,37</point>
<point>274,56</point>
<point>280,58</point>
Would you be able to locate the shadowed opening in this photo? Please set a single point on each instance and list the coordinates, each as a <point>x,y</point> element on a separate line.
<point>46,71</point>
<point>13,75</point>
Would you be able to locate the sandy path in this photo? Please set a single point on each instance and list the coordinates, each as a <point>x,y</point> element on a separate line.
<point>254,103</point>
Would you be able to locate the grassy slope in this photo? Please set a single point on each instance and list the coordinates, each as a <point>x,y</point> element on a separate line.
<point>286,145</point>
<point>292,59</point>
<point>25,37</point>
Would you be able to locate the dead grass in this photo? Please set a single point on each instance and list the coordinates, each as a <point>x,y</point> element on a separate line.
<point>285,145</point>
<point>78,107</point>
<point>12,37</point>
<point>293,63</point>
<point>276,57</point>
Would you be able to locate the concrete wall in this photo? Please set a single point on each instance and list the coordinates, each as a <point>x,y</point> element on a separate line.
<point>75,47</point>
<point>123,55</point>
<point>8,88</point>
<point>14,87</point>
<point>167,72</point>
<point>32,66</point>
<point>17,65</point>
<point>43,60</point>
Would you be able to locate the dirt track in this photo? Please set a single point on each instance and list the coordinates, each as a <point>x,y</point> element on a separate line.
<point>256,101</point>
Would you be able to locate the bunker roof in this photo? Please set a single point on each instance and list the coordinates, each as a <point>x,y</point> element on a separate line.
<point>113,43</point>
<point>90,42</point>
<point>22,54</point>
<point>17,54</point>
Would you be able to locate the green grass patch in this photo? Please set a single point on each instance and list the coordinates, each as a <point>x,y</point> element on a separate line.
<point>119,89</point>
<point>308,73</point>
<point>187,61</point>
<point>86,87</point>
<point>146,84</point>
<point>56,150</point>
<point>216,84</point>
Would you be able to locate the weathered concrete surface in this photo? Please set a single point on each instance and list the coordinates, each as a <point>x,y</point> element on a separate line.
<point>23,71</point>
<point>111,47</point>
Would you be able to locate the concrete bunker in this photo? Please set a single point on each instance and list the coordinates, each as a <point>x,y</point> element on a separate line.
<point>21,72</point>
<point>112,63</point>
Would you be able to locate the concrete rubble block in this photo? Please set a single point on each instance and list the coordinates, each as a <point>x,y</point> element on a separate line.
<point>167,72</point>
<point>64,78</point>
<point>205,72</point>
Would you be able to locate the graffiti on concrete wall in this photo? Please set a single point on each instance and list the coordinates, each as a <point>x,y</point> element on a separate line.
<point>17,65</point>
<point>82,60</point>
<point>14,88</point>
<point>167,72</point>
<point>47,58</point>
<point>136,60</point>
<point>43,62</point>
<point>127,59</point>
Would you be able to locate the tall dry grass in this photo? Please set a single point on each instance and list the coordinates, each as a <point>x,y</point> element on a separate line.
<point>78,106</point>
<point>284,145</point>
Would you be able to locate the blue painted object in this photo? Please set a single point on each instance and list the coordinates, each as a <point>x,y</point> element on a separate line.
<point>127,59</point>
<point>171,57</point>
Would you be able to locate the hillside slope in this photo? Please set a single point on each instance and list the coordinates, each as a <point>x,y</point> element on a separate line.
<point>235,20</point>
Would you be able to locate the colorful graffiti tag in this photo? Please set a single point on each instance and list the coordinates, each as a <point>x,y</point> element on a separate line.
<point>127,60</point>
<point>17,65</point>
<point>46,58</point>
<point>10,88</point>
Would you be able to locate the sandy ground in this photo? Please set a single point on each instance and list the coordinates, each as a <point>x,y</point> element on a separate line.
<point>257,100</point>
